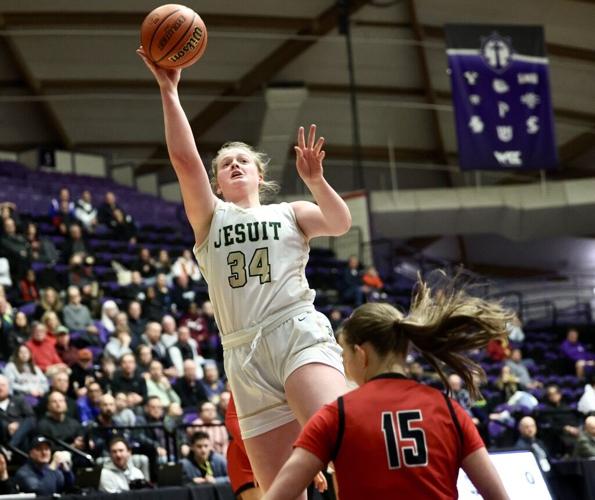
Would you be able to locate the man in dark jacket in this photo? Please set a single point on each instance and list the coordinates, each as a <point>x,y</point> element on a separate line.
<point>191,392</point>
<point>42,477</point>
<point>16,416</point>
<point>203,465</point>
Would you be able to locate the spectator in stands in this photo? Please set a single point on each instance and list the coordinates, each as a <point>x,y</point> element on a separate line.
<point>119,344</point>
<point>60,382</point>
<point>373,285</point>
<point>65,217</point>
<point>105,212</point>
<point>103,428</point>
<point>28,287</point>
<point>498,350</point>
<point>515,331</point>
<point>124,415</point>
<point>85,212</point>
<point>507,384</point>
<point>145,264</point>
<point>57,425</point>
<point>163,263</point>
<point>191,392</point>
<point>75,244</point>
<point>50,301</point>
<point>586,403</point>
<point>68,353</point>
<point>123,226</point>
<point>211,382</point>
<point>121,321</point>
<point>6,327</point>
<point>43,349</point>
<point>7,484</point>
<point>144,358</point>
<point>182,294</point>
<point>576,353</point>
<point>16,415</point>
<point>52,322</point>
<point>77,318</point>
<point>417,373</point>
<point>135,291</point>
<point>209,422</point>
<point>159,385</point>
<point>24,376</point>
<point>351,280</point>
<point>88,404</point>
<point>528,441</point>
<point>559,420</point>
<point>42,477</point>
<point>82,275</point>
<point>128,381</point>
<point>186,264</point>
<point>8,210</point>
<point>336,318</point>
<point>585,444</point>
<point>109,311</point>
<point>40,249</point>
<point>154,435</point>
<point>118,471</point>
<point>213,348</point>
<point>152,306</point>
<point>17,334</point>
<point>195,320</point>
<point>14,247</point>
<point>204,465</point>
<point>169,334</point>
<point>82,373</point>
<point>55,204</point>
<point>105,376</point>
<point>162,293</point>
<point>152,338</point>
<point>461,395</point>
<point>185,349</point>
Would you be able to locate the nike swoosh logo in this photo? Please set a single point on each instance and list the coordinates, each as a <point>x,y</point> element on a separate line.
<point>302,318</point>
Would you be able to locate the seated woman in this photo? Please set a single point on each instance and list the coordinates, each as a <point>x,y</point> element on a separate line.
<point>25,377</point>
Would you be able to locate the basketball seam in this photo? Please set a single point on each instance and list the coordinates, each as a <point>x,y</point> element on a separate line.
<point>156,29</point>
<point>180,39</point>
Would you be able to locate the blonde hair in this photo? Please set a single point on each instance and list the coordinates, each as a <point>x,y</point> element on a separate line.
<point>266,189</point>
<point>442,327</point>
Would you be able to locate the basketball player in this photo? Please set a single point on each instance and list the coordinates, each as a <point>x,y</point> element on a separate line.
<point>278,349</point>
<point>393,434</point>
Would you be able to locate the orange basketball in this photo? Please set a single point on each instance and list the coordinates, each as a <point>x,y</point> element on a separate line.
<point>173,36</point>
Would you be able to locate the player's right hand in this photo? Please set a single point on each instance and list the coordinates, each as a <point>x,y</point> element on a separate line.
<point>166,78</point>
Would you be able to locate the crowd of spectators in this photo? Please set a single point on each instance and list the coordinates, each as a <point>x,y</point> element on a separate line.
<point>134,379</point>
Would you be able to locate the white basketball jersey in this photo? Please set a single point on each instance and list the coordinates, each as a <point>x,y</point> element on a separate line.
<point>254,261</point>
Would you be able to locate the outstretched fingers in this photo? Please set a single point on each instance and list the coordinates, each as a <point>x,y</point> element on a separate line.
<point>312,136</point>
<point>301,140</point>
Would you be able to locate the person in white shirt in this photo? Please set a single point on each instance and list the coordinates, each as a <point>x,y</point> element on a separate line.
<point>586,404</point>
<point>118,471</point>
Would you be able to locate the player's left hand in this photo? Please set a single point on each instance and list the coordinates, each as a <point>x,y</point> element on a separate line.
<point>320,482</point>
<point>309,155</point>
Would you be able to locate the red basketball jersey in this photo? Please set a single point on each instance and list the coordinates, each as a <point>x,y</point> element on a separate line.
<point>393,437</point>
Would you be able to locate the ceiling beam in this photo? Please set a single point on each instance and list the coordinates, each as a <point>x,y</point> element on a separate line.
<point>119,20</point>
<point>32,86</point>
<point>262,73</point>
<point>576,147</point>
<point>216,86</point>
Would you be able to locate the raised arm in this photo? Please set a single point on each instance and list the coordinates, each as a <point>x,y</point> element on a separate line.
<point>199,200</point>
<point>330,216</point>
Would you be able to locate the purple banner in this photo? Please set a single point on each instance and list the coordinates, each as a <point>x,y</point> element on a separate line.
<point>501,97</point>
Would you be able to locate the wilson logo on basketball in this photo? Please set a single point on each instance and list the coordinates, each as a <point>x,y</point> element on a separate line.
<point>170,31</point>
<point>192,43</point>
